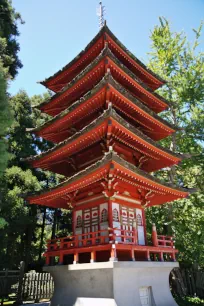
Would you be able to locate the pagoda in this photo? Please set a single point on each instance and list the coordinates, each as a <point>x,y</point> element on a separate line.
<point>105,126</point>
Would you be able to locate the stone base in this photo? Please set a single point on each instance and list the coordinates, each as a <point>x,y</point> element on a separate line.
<point>112,284</point>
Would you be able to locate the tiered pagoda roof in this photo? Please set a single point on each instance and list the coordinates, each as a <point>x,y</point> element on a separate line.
<point>104,100</point>
<point>153,190</point>
<point>71,150</point>
<point>92,50</point>
<point>92,74</point>
<point>68,121</point>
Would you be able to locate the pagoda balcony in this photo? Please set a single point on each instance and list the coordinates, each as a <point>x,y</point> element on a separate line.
<point>109,244</point>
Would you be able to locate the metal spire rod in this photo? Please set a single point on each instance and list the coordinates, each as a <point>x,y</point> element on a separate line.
<point>100,14</point>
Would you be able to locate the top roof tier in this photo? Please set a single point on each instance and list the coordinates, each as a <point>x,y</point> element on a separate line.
<point>92,50</point>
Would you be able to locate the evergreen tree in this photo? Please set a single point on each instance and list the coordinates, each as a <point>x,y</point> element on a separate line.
<point>19,234</point>
<point>9,65</point>
<point>9,45</point>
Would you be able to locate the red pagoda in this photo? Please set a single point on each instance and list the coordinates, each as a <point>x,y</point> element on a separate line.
<point>105,127</point>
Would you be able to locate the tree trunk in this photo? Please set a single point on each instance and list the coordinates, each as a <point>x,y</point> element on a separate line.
<point>29,234</point>
<point>54,225</point>
<point>172,172</point>
<point>42,235</point>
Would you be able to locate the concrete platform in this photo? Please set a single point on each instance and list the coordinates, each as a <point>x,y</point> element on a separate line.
<point>112,284</point>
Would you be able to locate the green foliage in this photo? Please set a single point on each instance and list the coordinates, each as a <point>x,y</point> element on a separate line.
<point>9,46</point>
<point>189,301</point>
<point>5,120</point>
<point>20,222</point>
<point>181,64</point>
<point>9,64</point>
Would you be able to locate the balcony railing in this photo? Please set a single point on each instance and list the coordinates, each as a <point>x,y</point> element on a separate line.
<point>107,236</point>
<point>165,241</point>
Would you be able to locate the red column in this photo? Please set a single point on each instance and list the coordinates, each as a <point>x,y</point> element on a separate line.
<point>61,259</point>
<point>93,256</point>
<point>132,254</point>
<point>113,253</point>
<point>76,258</point>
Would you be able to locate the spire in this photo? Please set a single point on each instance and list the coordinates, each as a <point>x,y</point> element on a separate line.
<point>100,14</point>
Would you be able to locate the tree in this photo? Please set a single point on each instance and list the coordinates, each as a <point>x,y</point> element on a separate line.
<point>181,64</point>
<point>9,65</point>
<point>19,233</point>
<point>9,45</point>
<point>5,120</point>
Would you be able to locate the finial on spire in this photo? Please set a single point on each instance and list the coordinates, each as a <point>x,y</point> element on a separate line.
<point>100,14</point>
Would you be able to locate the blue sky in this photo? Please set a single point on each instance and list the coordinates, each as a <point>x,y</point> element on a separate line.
<point>55,31</point>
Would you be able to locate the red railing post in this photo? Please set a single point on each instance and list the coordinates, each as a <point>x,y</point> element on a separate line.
<point>76,258</point>
<point>154,235</point>
<point>61,258</point>
<point>132,254</point>
<point>93,239</point>
<point>173,256</point>
<point>93,257</point>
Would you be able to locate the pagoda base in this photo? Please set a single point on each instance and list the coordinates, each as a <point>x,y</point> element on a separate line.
<point>112,284</point>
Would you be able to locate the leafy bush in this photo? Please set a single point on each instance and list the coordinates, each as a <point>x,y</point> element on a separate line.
<point>189,301</point>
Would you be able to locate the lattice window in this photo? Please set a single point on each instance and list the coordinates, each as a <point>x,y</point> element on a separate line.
<point>79,221</point>
<point>104,215</point>
<point>115,215</point>
<point>139,220</point>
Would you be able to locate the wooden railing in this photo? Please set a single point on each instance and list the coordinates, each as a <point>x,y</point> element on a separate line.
<point>80,240</point>
<point>165,241</point>
<point>106,236</point>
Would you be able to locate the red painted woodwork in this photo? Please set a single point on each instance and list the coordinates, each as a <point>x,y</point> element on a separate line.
<point>85,243</point>
<point>106,127</point>
<point>65,125</point>
<point>91,76</point>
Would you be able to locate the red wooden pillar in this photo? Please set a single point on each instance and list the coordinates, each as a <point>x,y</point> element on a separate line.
<point>173,256</point>
<point>161,256</point>
<point>132,254</point>
<point>113,253</point>
<point>76,258</point>
<point>61,259</point>
<point>93,256</point>
<point>154,235</point>
<point>148,256</point>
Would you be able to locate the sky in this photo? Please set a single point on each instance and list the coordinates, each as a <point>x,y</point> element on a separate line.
<point>55,31</point>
